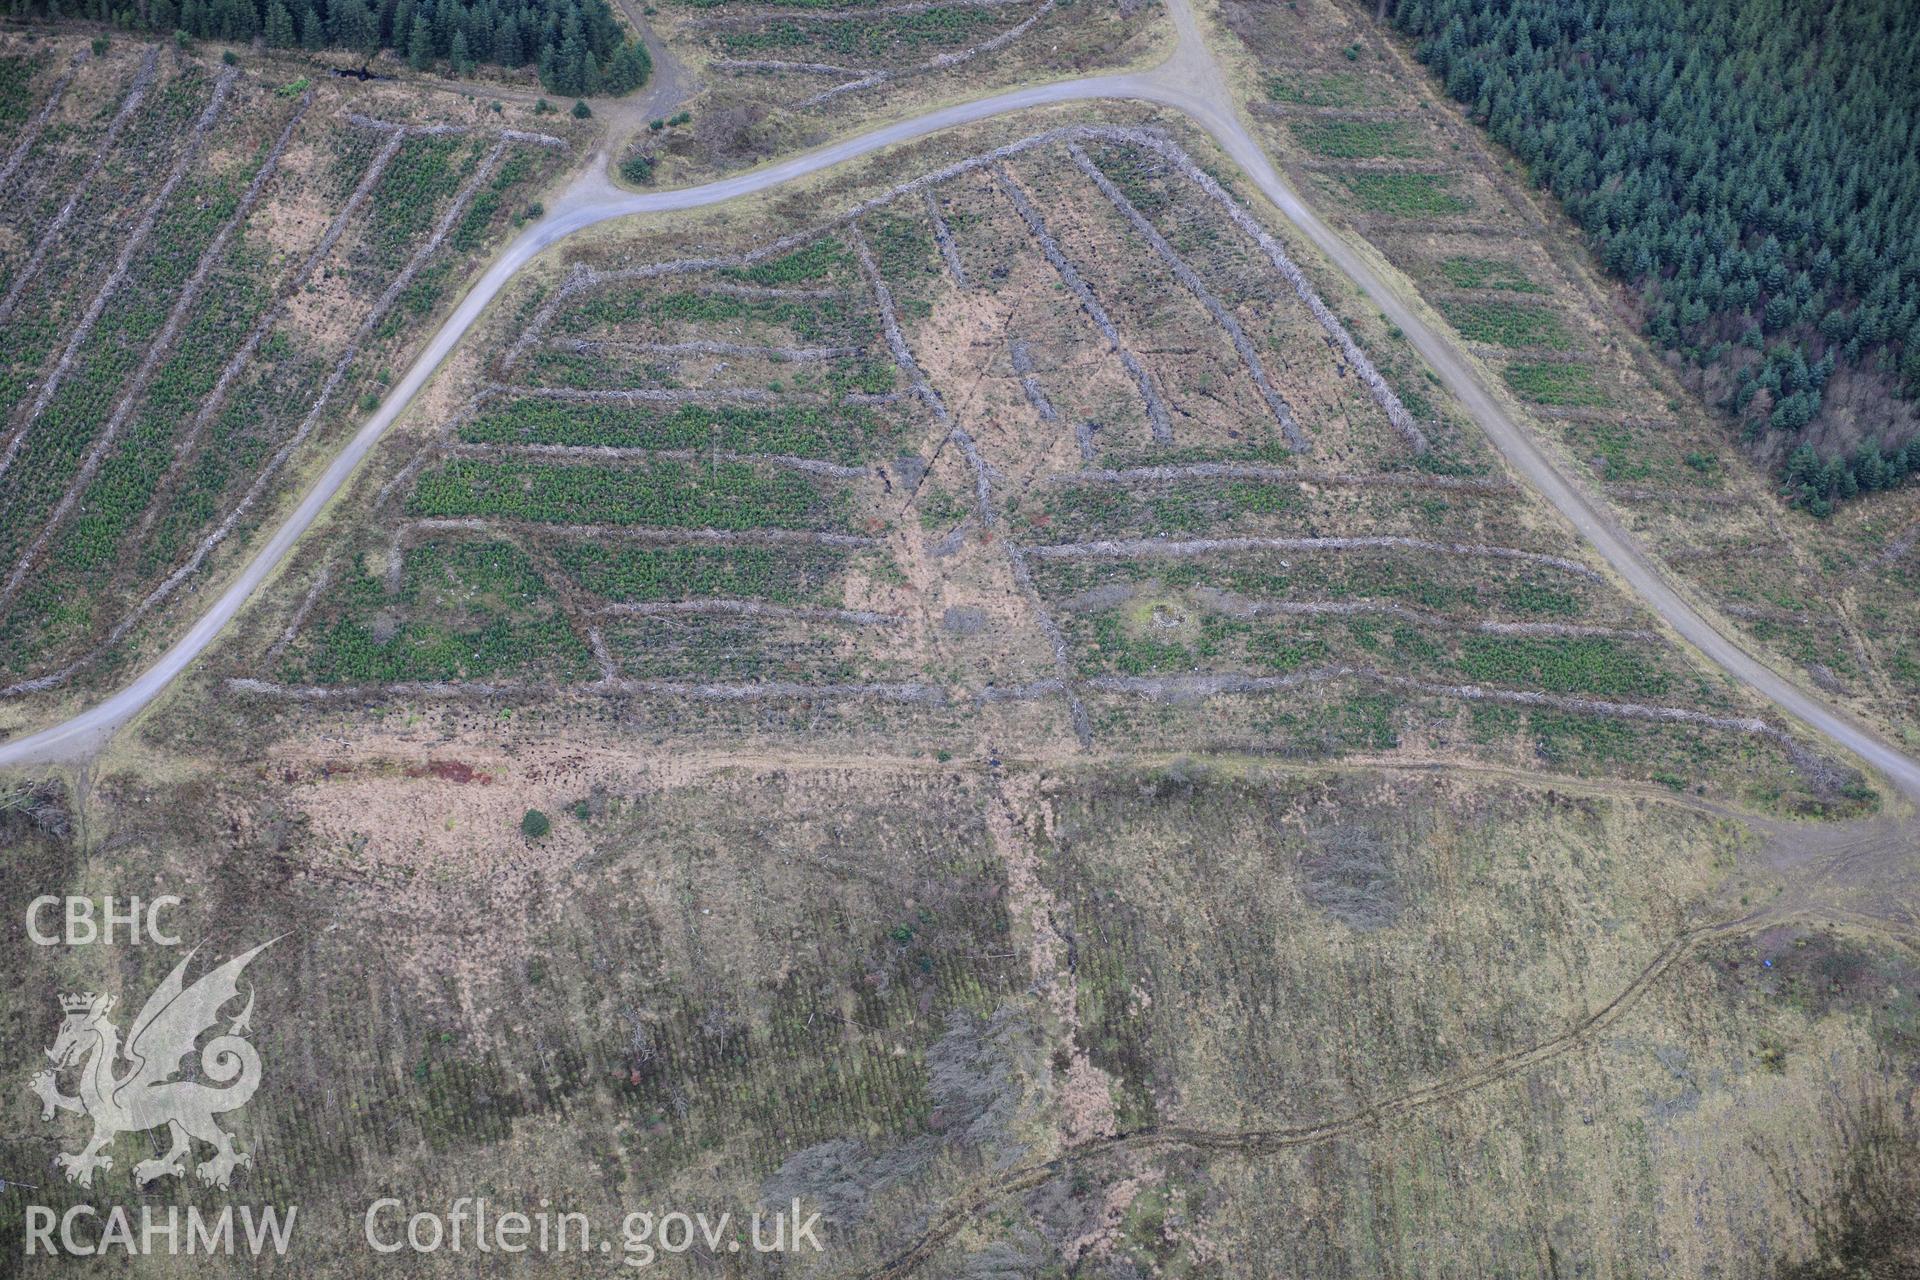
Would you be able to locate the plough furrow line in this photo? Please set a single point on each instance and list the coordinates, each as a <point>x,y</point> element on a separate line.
<point>1191,281</point>
<point>1194,687</point>
<point>1167,548</point>
<point>243,355</point>
<point>320,581</point>
<point>782,355</point>
<point>1057,643</point>
<point>1498,1067</point>
<point>793,68</point>
<point>1030,381</point>
<point>943,236</point>
<point>35,127</point>
<point>162,344</point>
<point>770,690</point>
<point>1284,475</point>
<point>941,63</point>
<point>359,121</point>
<point>841,15</point>
<point>1383,394</point>
<point>372,320</point>
<point>647,534</point>
<point>1070,276</point>
<point>1238,607</point>
<point>617,453</point>
<point>637,395</point>
<point>750,609</point>
<point>137,94</point>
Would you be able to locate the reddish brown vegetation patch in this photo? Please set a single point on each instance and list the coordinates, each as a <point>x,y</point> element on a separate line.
<point>455,771</point>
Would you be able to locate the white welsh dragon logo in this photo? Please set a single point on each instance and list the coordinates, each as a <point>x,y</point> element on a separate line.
<point>146,1095</point>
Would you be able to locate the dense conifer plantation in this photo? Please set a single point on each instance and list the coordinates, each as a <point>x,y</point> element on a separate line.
<point>1753,166</point>
<point>577,45</point>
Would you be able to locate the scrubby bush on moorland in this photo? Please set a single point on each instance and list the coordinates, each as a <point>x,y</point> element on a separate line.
<point>638,168</point>
<point>577,44</point>
<point>1749,165</point>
